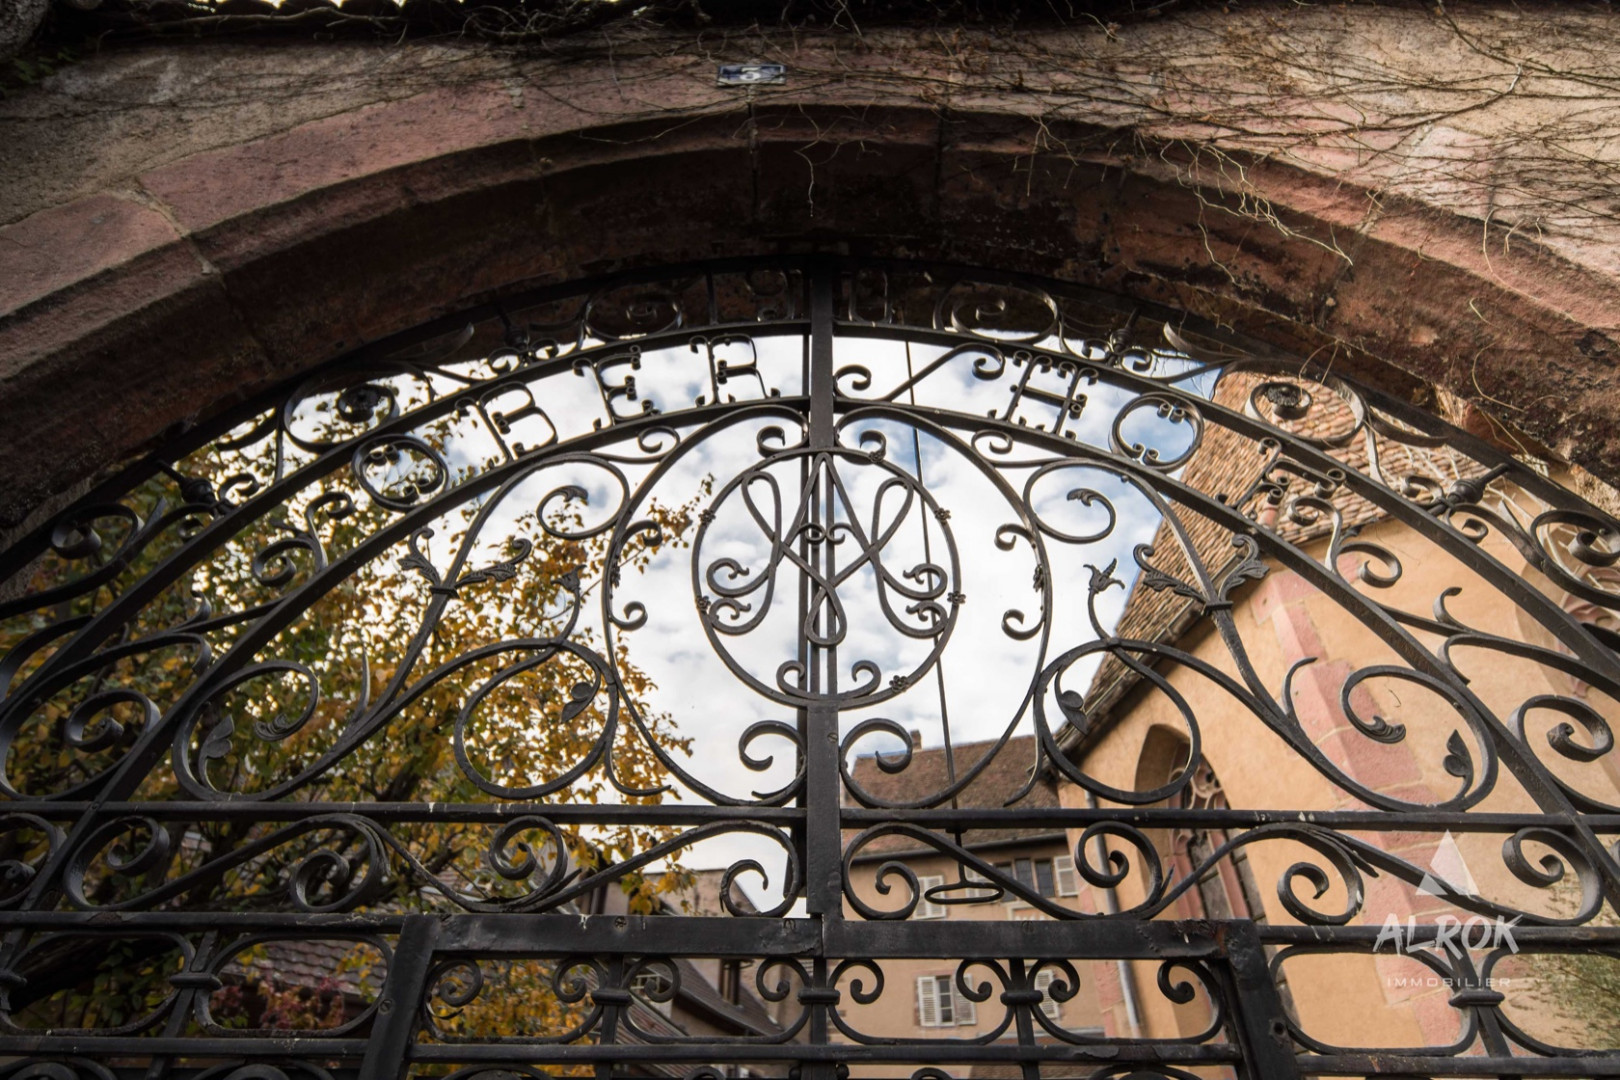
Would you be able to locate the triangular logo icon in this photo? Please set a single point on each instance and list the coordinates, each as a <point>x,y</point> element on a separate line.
<point>1448,866</point>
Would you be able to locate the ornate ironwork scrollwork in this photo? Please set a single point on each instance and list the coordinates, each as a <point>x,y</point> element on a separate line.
<point>875,586</point>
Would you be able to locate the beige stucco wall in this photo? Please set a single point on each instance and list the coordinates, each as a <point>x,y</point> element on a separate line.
<point>1358,999</point>
<point>895,1012</point>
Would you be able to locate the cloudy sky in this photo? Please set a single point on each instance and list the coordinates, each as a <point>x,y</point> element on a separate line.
<point>978,689</point>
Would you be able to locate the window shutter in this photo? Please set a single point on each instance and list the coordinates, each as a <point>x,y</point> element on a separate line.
<point>1043,878</point>
<point>1006,869</point>
<point>983,895</point>
<point>926,908</point>
<point>965,1013</point>
<point>927,1001</point>
<point>1067,884</point>
<point>1043,982</point>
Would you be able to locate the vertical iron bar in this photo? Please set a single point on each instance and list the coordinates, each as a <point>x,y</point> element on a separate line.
<point>805,653</point>
<point>613,1008</point>
<point>185,1003</point>
<point>820,1026</point>
<point>822,783</point>
<point>1024,1024</point>
<point>1260,1023</point>
<point>404,992</point>
<point>822,870</point>
<point>1491,1036</point>
<point>823,281</point>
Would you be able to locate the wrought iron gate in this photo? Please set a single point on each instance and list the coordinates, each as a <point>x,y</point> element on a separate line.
<point>368,668</point>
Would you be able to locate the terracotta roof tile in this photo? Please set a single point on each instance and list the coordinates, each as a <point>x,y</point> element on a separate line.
<point>305,963</point>
<point>928,774</point>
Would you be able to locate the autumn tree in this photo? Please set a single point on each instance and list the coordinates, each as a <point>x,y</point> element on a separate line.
<point>457,665</point>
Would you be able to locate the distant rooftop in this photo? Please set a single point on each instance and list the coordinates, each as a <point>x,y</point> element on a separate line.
<point>1002,776</point>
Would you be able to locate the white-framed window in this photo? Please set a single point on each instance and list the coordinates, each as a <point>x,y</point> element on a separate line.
<point>939,1005</point>
<point>650,984</point>
<point>981,896</point>
<point>1043,877</point>
<point>1009,898</point>
<point>1063,869</point>
<point>1049,1005</point>
<point>654,990</point>
<point>926,908</point>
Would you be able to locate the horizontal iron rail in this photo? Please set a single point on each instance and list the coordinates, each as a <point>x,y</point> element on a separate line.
<point>1427,932</point>
<point>280,1047</point>
<point>702,814</point>
<point>267,1046</point>
<point>1407,1066</point>
<point>930,1050</point>
<point>459,813</point>
<point>528,935</point>
<point>1158,816</point>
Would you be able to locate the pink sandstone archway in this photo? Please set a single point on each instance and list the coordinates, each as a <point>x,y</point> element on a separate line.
<point>149,289</point>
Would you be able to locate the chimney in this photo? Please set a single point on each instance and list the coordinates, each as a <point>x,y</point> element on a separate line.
<point>916,739</point>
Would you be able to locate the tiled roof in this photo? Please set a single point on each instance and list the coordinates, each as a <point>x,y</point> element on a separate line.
<point>747,1012</point>
<point>1003,776</point>
<point>702,896</point>
<point>306,962</point>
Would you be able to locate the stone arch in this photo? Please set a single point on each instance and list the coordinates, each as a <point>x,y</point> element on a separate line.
<point>228,267</point>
